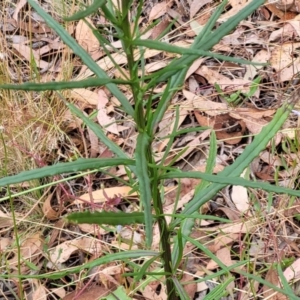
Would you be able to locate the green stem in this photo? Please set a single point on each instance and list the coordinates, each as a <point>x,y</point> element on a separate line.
<point>141,123</point>
<point>12,207</point>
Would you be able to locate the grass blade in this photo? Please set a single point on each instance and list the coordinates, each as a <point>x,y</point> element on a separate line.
<point>80,164</point>
<point>62,85</point>
<point>107,217</point>
<point>88,11</point>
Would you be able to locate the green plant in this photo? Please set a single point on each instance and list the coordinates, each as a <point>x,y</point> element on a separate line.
<point>149,175</point>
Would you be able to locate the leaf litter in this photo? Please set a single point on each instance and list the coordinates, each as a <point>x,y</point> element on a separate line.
<point>266,225</point>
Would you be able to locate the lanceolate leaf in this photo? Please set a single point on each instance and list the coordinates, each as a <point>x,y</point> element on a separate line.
<point>80,164</point>
<point>110,218</point>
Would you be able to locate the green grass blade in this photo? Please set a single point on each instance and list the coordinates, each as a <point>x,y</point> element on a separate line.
<point>86,58</point>
<point>107,217</point>
<point>80,164</point>
<point>62,85</point>
<point>152,44</point>
<point>143,142</point>
<point>88,11</point>
<point>122,256</point>
<point>180,290</point>
<point>232,181</point>
<point>211,161</point>
<point>220,291</point>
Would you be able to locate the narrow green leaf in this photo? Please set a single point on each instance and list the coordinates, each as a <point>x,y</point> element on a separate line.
<point>232,181</point>
<point>143,142</point>
<point>179,289</point>
<point>110,218</point>
<point>88,11</point>
<point>122,256</point>
<point>152,44</point>
<point>80,164</point>
<point>86,58</point>
<point>62,85</point>
<point>211,161</point>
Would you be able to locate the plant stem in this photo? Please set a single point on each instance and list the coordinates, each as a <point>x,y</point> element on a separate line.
<point>141,123</point>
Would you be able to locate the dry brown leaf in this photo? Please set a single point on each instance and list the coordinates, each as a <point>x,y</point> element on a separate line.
<point>5,220</point>
<point>231,214</point>
<point>284,15</point>
<point>158,10</point>
<point>236,5</point>
<point>39,291</point>
<point>224,256</point>
<point>283,62</point>
<point>239,196</point>
<point>98,196</point>
<point>293,271</point>
<point>195,66</point>
<point>92,293</point>
<point>235,227</point>
<point>60,292</point>
<point>85,95</point>
<point>27,53</point>
<point>159,28</point>
<point>120,58</point>
<point>19,6</point>
<point>211,108</point>
<point>272,277</point>
<point>108,123</point>
<point>63,251</point>
<point>94,143</point>
<point>224,82</point>
<point>51,212</point>
<point>196,5</point>
<point>5,243</point>
<point>31,250</point>
<point>85,37</point>
<point>191,287</point>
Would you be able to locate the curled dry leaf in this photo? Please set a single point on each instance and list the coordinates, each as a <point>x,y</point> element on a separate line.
<point>51,212</point>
